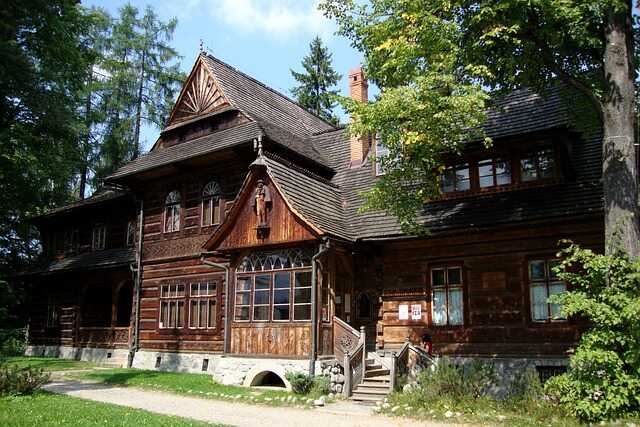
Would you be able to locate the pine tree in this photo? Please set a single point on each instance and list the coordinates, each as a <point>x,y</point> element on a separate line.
<point>315,91</point>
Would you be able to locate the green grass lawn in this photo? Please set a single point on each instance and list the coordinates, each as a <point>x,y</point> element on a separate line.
<point>47,363</point>
<point>45,409</point>
<point>201,385</point>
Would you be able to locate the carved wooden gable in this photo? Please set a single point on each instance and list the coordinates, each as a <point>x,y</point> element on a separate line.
<point>200,95</point>
<point>261,216</point>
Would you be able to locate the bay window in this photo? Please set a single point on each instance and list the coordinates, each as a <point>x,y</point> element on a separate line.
<point>447,295</point>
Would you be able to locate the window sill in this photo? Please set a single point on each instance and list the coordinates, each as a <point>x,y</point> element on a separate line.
<point>497,189</point>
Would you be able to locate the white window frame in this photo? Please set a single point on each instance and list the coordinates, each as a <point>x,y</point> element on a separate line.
<point>545,283</point>
<point>295,303</point>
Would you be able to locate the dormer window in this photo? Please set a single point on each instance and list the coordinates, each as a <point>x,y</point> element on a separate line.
<point>381,151</point>
<point>537,165</point>
<point>456,178</point>
<point>98,237</point>
<point>494,172</point>
<point>211,204</point>
<point>172,212</point>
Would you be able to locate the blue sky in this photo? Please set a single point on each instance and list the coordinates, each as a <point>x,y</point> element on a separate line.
<point>263,38</point>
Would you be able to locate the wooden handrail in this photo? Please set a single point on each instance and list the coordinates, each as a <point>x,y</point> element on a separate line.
<point>345,339</point>
<point>400,360</point>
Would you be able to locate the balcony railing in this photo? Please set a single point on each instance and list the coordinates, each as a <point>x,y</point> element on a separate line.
<point>104,336</point>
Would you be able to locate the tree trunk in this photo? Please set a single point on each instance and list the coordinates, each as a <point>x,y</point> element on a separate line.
<point>618,152</point>
<point>136,136</point>
<point>87,139</point>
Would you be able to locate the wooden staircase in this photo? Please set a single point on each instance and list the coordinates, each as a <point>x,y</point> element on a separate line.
<point>375,385</point>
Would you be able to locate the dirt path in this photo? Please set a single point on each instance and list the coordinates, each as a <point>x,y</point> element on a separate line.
<point>343,414</point>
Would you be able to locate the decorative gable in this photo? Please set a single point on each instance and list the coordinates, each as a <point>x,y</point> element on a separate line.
<point>200,96</point>
<point>261,216</point>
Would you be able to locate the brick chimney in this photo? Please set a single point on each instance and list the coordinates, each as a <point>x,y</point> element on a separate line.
<point>359,91</point>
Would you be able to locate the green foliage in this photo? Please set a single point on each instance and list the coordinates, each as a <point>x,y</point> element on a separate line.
<point>472,380</point>
<point>17,380</point>
<point>315,90</point>
<point>12,341</point>
<point>604,379</point>
<point>321,385</point>
<point>525,386</point>
<point>301,383</point>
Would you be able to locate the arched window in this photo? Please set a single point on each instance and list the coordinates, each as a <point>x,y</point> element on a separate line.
<point>211,204</point>
<point>172,212</point>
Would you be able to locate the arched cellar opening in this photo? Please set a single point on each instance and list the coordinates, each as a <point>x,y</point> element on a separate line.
<point>267,379</point>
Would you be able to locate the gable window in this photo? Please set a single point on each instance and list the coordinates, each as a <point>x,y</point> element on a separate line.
<point>274,286</point>
<point>202,305</point>
<point>172,298</point>
<point>131,233</point>
<point>211,204</point>
<point>98,237</point>
<point>494,172</point>
<point>381,151</point>
<point>543,282</point>
<point>456,178</point>
<point>446,295</point>
<point>537,164</point>
<point>172,212</point>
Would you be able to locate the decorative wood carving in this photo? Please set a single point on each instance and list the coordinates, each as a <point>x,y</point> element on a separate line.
<point>199,96</point>
<point>262,204</point>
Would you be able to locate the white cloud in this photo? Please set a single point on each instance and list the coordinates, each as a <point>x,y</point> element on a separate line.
<point>277,18</point>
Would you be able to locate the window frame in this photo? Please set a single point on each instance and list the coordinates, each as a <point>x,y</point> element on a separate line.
<point>207,298</point>
<point>130,234</point>
<point>211,195</point>
<point>173,299</point>
<point>447,287</point>
<point>536,153</point>
<point>455,167</point>
<point>173,201</point>
<point>546,282</point>
<point>101,242</point>
<point>494,175</point>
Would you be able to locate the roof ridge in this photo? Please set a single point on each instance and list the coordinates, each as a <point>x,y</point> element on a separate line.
<point>298,168</point>
<point>277,92</point>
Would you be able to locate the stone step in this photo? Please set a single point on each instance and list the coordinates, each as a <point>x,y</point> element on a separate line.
<point>366,398</point>
<point>379,379</point>
<point>376,372</point>
<point>365,391</point>
<point>375,385</point>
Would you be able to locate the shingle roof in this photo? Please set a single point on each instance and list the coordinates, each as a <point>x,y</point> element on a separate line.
<point>108,258</point>
<point>198,147</point>
<point>100,196</point>
<point>263,103</point>
<point>316,198</point>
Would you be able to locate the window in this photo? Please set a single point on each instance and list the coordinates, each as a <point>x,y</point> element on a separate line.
<point>446,296</point>
<point>52,314</point>
<point>494,172</point>
<point>381,152</point>
<point>274,286</point>
<point>202,305</point>
<point>543,283</point>
<point>98,237</point>
<point>302,296</point>
<point>172,212</point>
<point>537,165</point>
<point>131,233</point>
<point>456,178</point>
<point>172,306</point>
<point>243,298</point>
<point>211,204</point>
<point>281,296</point>
<point>261,290</point>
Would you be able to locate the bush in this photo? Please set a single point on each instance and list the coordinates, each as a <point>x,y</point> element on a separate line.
<point>301,383</point>
<point>525,386</point>
<point>12,342</point>
<point>475,379</point>
<point>15,380</point>
<point>321,385</point>
<point>603,381</point>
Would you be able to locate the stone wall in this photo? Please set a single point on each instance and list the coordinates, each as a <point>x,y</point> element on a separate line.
<point>104,356</point>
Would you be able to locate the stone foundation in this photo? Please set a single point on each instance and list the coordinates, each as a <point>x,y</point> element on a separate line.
<point>103,356</point>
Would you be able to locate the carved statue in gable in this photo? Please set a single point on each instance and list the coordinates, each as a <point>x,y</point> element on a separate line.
<point>262,203</point>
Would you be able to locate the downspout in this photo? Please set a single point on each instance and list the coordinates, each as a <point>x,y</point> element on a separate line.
<point>324,247</point>
<point>225,267</point>
<point>138,278</point>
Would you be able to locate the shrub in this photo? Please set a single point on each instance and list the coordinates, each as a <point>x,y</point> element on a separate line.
<point>321,385</point>
<point>603,381</point>
<point>525,385</point>
<point>473,380</point>
<point>301,383</point>
<point>15,380</point>
<point>12,341</point>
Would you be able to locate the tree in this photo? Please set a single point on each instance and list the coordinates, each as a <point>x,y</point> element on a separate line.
<point>315,91</point>
<point>44,61</point>
<point>499,46</point>
<point>143,79</point>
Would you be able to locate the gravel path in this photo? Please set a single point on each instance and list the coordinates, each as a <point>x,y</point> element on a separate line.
<point>342,414</point>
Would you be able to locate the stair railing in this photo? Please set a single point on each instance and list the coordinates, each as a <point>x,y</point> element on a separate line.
<point>354,366</point>
<point>409,356</point>
<point>345,339</point>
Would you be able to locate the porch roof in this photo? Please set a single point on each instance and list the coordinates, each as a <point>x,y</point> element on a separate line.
<point>103,259</point>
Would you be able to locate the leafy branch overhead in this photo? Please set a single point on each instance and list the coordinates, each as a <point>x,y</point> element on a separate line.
<point>441,64</point>
<point>315,91</point>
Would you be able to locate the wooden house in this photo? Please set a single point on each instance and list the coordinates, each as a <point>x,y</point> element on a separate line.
<point>236,245</point>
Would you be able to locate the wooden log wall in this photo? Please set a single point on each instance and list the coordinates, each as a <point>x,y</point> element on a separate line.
<point>273,340</point>
<point>497,320</point>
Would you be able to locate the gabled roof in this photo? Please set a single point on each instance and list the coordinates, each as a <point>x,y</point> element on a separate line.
<point>101,196</point>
